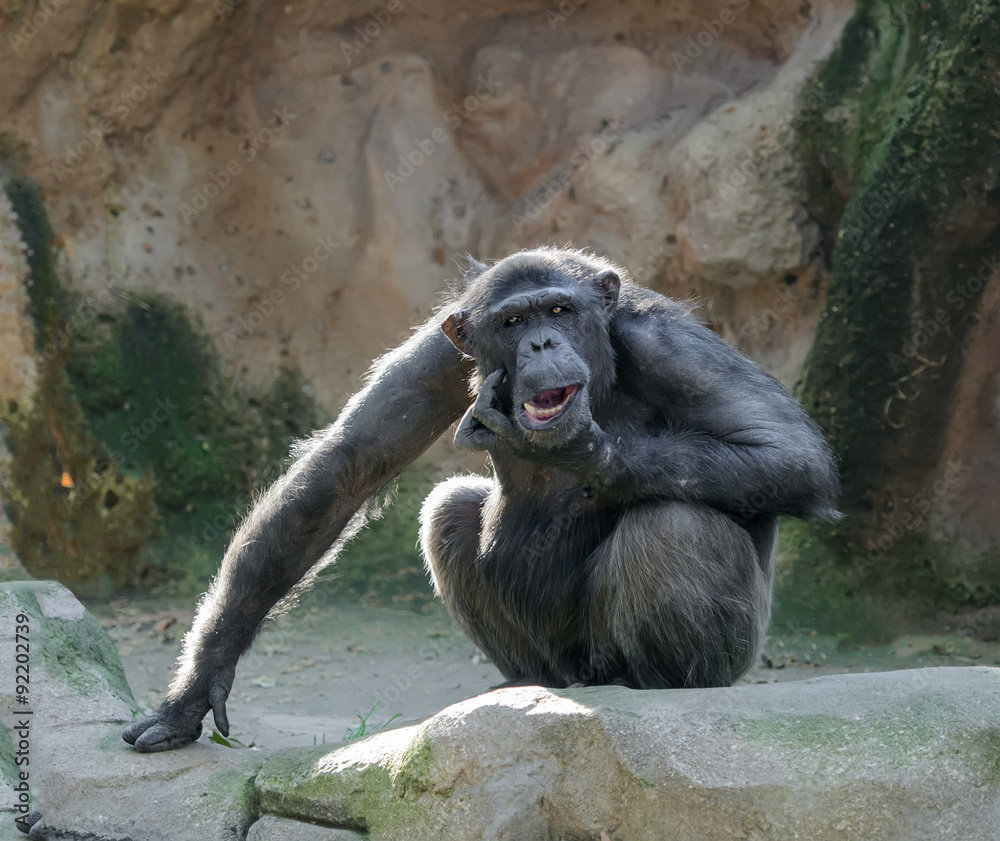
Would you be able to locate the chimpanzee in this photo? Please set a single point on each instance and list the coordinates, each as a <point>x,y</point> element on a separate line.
<point>627,533</point>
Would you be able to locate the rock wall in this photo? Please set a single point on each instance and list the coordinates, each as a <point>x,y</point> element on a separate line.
<point>303,178</point>
<point>904,168</point>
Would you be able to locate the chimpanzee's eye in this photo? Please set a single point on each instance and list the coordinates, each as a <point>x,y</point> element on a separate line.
<point>557,310</point>
<point>515,319</point>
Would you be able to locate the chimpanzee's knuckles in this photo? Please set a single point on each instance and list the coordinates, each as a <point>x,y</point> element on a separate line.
<point>137,728</point>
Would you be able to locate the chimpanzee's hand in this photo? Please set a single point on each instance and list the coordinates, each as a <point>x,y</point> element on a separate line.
<point>178,723</point>
<point>582,455</point>
<point>484,423</point>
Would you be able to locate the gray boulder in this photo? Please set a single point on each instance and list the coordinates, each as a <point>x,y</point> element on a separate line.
<point>270,828</point>
<point>901,755</point>
<point>84,779</point>
<point>909,755</point>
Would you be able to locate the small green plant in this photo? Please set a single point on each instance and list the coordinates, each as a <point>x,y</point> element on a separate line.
<point>363,729</point>
<point>219,739</point>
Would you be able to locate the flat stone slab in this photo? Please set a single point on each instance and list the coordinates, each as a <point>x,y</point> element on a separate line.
<point>894,756</point>
<point>270,828</point>
<point>85,780</point>
<point>92,785</point>
<point>908,755</point>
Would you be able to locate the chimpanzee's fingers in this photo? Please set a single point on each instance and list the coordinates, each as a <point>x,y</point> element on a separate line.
<point>486,408</point>
<point>494,380</point>
<point>25,822</point>
<point>494,419</point>
<point>137,728</point>
<point>162,737</point>
<point>472,435</point>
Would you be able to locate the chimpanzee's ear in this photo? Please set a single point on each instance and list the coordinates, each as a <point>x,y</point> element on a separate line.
<point>608,283</point>
<point>473,268</point>
<point>470,269</point>
<point>456,328</point>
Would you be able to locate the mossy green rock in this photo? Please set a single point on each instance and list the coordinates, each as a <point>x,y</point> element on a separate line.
<point>904,168</point>
<point>83,778</point>
<point>73,669</point>
<point>905,755</point>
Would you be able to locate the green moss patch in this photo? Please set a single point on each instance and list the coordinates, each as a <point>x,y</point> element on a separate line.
<point>136,457</point>
<point>374,788</point>
<point>905,177</point>
<point>8,768</point>
<point>77,653</point>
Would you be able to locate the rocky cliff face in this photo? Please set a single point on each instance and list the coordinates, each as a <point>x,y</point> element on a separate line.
<point>303,178</point>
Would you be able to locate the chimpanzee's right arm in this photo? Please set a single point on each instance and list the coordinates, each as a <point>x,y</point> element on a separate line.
<point>412,396</point>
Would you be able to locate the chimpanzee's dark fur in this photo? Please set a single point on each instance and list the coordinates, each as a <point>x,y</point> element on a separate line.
<point>628,538</point>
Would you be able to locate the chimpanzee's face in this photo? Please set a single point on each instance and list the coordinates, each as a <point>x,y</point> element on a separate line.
<point>549,333</point>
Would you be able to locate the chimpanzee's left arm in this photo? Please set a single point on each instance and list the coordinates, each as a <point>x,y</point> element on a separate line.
<point>412,396</point>
<point>732,437</point>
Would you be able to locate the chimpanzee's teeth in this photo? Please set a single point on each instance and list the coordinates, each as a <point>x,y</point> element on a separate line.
<point>544,414</point>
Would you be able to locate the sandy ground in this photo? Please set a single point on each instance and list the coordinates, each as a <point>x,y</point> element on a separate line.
<point>316,672</point>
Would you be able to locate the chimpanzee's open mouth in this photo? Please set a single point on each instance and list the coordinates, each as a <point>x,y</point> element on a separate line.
<point>542,410</point>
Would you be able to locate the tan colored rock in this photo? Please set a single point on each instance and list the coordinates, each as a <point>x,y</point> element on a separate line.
<point>737,188</point>
<point>157,105</point>
<point>17,332</point>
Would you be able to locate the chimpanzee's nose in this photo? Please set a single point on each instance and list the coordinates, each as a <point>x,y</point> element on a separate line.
<point>544,340</point>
